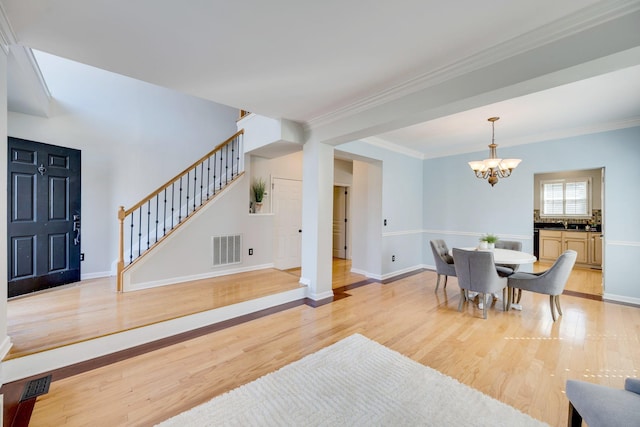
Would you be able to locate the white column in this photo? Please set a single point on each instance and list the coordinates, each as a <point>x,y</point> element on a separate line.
<point>317,219</point>
<point>5,342</point>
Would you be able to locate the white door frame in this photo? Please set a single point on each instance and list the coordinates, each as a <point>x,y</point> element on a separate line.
<point>287,240</point>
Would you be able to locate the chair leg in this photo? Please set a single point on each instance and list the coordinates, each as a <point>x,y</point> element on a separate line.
<point>515,299</point>
<point>553,308</point>
<point>575,419</point>
<point>445,282</point>
<point>557,299</point>
<point>484,305</point>
<point>438,282</point>
<point>463,298</point>
<point>506,298</point>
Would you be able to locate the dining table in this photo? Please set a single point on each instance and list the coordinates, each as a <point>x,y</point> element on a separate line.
<point>508,257</point>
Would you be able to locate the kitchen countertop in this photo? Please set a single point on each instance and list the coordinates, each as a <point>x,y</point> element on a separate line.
<point>593,230</point>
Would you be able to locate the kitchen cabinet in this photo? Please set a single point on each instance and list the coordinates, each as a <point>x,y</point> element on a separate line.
<point>577,241</point>
<point>595,251</point>
<point>550,245</point>
<point>588,246</point>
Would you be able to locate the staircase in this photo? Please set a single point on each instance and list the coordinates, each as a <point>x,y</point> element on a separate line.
<point>155,217</point>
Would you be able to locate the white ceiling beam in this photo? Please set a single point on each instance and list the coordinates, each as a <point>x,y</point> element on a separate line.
<point>606,47</point>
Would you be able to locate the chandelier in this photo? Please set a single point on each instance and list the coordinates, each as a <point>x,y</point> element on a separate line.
<point>493,168</point>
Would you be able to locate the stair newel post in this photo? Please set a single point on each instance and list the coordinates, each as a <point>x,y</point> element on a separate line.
<point>120,265</point>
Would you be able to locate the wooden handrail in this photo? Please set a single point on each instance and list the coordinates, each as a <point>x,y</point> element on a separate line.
<point>123,213</point>
<point>187,169</point>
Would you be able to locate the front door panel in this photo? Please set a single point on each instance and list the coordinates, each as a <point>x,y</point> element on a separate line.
<point>44,211</point>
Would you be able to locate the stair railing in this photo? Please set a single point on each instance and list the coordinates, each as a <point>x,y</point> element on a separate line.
<point>152,219</point>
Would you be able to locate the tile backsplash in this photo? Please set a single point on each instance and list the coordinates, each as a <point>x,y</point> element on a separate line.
<point>596,218</point>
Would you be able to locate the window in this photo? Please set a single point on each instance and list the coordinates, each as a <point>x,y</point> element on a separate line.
<point>566,198</point>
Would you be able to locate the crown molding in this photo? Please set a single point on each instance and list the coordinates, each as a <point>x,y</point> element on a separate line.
<point>573,132</point>
<point>589,17</point>
<point>7,35</point>
<point>381,143</point>
<point>549,136</point>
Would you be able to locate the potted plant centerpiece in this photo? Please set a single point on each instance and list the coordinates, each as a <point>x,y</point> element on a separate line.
<point>488,241</point>
<point>257,188</point>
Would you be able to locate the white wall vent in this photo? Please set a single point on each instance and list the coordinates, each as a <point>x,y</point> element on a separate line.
<point>227,249</point>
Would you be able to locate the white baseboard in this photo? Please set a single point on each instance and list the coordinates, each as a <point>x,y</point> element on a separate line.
<point>390,275</point>
<point>96,275</point>
<point>321,296</point>
<point>304,281</point>
<point>366,274</point>
<point>621,298</point>
<point>5,347</point>
<point>400,272</point>
<point>170,281</point>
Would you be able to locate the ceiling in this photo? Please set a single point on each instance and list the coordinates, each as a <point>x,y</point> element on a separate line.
<point>418,75</point>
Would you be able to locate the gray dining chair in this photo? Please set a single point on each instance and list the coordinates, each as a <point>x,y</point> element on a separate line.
<point>506,270</point>
<point>600,405</point>
<point>550,282</point>
<point>476,272</point>
<point>512,246</point>
<point>444,261</point>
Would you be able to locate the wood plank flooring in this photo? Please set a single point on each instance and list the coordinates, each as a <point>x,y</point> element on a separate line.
<point>90,309</point>
<point>522,357</point>
<point>584,280</point>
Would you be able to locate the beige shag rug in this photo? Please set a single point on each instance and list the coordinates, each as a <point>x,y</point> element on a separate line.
<point>354,382</point>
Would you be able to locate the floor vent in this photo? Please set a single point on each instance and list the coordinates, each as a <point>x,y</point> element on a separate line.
<point>35,388</point>
<point>227,249</point>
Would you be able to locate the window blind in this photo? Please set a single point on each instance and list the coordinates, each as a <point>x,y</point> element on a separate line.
<point>576,198</point>
<point>565,198</point>
<point>553,195</point>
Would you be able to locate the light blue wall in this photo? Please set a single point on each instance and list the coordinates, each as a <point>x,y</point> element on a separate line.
<point>401,207</point>
<point>458,207</point>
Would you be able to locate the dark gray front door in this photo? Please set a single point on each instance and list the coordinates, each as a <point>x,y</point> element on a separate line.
<point>43,230</point>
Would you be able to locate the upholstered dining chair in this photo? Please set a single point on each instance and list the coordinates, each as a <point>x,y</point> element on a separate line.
<point>600,405</point>
<point>476,271</point>
<point>550,282</point>
<point>512,246</point>
<point>506,270</point>
<point>444,261</point>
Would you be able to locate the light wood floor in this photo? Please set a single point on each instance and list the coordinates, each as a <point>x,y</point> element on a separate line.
<point>90,309</point>
<point>584,280</point>
<point>519,357</point>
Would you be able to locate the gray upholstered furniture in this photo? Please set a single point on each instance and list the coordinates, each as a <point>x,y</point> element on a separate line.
<point>512,246</point>
<point>550,282</point>
<point>599,405</point>
<point>476,271</point>
<point>444,261</point>
<point>506,270</point>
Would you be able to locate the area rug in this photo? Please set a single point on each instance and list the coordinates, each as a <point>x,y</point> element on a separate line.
<point>354,382</point>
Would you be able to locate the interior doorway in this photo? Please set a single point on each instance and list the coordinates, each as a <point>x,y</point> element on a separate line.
<point>341,222</point>
<point>569,214</point>
<point>287,209</point>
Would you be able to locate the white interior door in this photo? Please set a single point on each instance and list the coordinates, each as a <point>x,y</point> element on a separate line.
<point>340,222</point>
<point>287,208</point>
